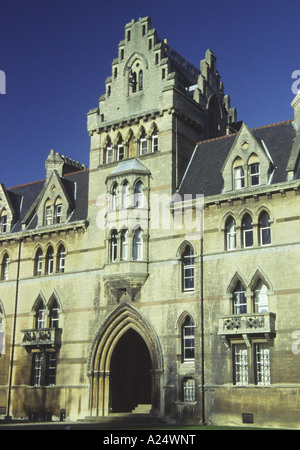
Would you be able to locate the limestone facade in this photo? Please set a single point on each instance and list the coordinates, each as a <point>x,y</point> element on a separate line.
<point>165,274</point>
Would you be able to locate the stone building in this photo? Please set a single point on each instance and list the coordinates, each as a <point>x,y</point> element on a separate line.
<point>164,278</point>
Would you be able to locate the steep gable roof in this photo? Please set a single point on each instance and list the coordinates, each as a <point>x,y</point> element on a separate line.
<point>204,172</point>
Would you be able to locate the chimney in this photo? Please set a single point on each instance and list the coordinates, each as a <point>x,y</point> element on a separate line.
<point>296,105</point>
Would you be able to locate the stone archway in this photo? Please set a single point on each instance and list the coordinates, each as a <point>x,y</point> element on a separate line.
<point>124,325</point>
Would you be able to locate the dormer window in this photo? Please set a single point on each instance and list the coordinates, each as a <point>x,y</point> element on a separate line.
<point>48,213</point>
<point>239,177</point>
<point>3,222</point>
<point>58,210</point>
<point>254,170</point>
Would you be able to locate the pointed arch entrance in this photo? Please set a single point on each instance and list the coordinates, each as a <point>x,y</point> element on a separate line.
<point>125,364</point>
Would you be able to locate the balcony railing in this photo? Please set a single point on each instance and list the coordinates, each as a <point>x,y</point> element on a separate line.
<point>41,337</point>
<point>256,323</point>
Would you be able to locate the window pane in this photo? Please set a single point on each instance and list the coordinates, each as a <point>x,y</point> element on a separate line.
<point>36,369</point>
<point>189,394</point>
<point>51,369</point>
<point>239,299</point>
<point>239,178</point>
<point>254,174</point>
<point>263,372</point>
<point>241,365</point>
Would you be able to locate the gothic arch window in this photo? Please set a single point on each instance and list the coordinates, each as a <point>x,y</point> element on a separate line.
<point>261,299</point>
<point>54,314</point>
<point>3,222</point>
<point>230,234</point>
<point>61,259</point>
<point>138,244</point>
<point>5,267</point>
<point>124,244</point>
<point>49,261</point>
<point>254,170</point>
<point>113,245</point>
<point>238,174</point>
<point>115,197</point>
<point>125,195</point>
<point>264,227</point>
<point>187,267</point>
<point>48,212</point>
<point>38,263</point>
<point>143,144</point>
<point>40,315</point>
<point>139,194</point>
<point>188,339</point>
<point>239,298</point>
<point>58,207</point>
<point>247,229</point>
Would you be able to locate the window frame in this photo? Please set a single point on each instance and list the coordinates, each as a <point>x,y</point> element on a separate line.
<point>138,244</point>
<point>264,228</point>
<point>230,234</point>
<point>247,229</point>
<point>254,174</point>
<point>188,334</point>
<point>239,178</point>
<point>188,268</point>
<point>113,246</point>
<point>239,299</point>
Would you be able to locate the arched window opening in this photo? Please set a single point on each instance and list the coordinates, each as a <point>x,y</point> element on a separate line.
<point>115,197</point>
<point>5,267</point>
<point>139,194</point>
<point>187,260</point>
<point>40,315</point>
<point>124,245</point>
<point>138,245</point>
<point>61,259</point>
<point>58,210</point>
<point>48,218</point>
<point>247,231</point>
<point>261,299</point>
<point>54,314</point>
<point>49,261</point>
<point>230,234</point>
<point>264,228</point>
<point>239,299</point>
<point>125,194</point>
<point>38,263</point>
<point>188,339</point>
<point>113,246</point>
<point>3,222</point>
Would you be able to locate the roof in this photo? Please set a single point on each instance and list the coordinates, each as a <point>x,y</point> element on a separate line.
<point>129,165</point>
<point>203,174</point>
<point>23,197</point>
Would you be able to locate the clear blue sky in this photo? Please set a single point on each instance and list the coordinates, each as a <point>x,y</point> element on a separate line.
<point>56,55</point>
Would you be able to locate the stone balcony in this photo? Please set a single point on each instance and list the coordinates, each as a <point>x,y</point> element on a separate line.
<point>41,338</point>
<point>247,324</point>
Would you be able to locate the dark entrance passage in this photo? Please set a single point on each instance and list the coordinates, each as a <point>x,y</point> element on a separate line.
<point>130,378</point>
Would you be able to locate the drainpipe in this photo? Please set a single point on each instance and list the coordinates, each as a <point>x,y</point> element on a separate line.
<point>202,328</point>
<point>8,417</point>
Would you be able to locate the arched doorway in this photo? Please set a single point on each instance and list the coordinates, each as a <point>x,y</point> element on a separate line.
<point>130,376</point>
<point>125,349</point>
